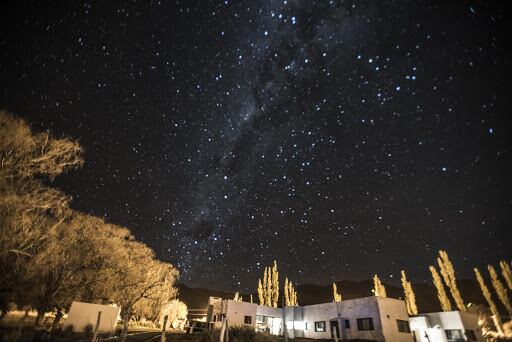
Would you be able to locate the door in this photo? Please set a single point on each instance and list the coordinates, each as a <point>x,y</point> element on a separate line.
<point>335,329</point>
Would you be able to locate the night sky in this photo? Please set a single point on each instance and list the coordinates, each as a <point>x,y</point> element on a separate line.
<point>341,138</point>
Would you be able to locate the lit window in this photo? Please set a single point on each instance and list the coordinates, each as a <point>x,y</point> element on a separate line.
<point>403,326</point>
<point>365,323</point>
<point>320,326</point>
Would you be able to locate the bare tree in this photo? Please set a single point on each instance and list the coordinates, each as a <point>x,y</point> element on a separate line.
<point>140,277</point>
<point>29,210</point>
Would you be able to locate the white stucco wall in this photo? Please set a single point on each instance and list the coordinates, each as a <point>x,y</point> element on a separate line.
<point>300,321</point>
<point>315,313</point>
<point>470,322</point>
<point>275,315</point>
<point>391,310</point>
<point>353,309</point>
<point>81,315</point>
<point>349,309</point>
<point>235,311</point>
<point>434,325</point>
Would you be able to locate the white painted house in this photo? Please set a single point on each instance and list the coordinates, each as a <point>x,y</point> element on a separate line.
<point>370,318</point>
<point>446,327</point>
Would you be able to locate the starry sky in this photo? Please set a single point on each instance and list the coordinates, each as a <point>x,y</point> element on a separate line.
<point>341,138</point>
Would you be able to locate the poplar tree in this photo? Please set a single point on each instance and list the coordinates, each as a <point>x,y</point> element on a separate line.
<point>286,293</point>
<point>506,273</point>
<point>294,300</point>
<point>378,289</point>
<point>446,305</point>
<point>492,306</point>
<point>501,291</point>
<point>410,298</point>
<point>290,295</point>
<point>448,273</point>
<point>268,290</point>
<point>275,285</point>
<point>335,293</point>
<point>261,295</point>
<point>268,293</point>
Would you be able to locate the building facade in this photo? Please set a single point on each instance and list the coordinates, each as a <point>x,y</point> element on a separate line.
<point>370,318</point>
<point>446,327</point>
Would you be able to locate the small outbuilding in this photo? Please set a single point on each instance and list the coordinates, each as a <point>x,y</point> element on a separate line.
<point>83,317</point>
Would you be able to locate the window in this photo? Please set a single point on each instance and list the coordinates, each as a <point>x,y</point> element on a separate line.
<point>454,335</point>
<point>403,326</point>
<point>347,324</point>
<point>470,334</point>
<point>320,326</point>
<point>261,319</point>
<point>365,323</point>
<point>306,326</point>
<point>247,319</point>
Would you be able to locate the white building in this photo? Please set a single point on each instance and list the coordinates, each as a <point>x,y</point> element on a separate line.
<point>370,318</point>
<point>446,326</point>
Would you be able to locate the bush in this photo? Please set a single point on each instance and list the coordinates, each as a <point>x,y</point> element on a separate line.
<point>240,333</point>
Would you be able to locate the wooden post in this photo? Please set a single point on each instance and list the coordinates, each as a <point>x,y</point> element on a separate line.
<point>227,330</point>
<point>95,334</point>
<point>162,338</point>
<point>285,330</point>
<point>222,330</point>
<point>335,334</point>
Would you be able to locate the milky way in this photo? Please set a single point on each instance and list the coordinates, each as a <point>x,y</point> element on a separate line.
<point>340,138</point>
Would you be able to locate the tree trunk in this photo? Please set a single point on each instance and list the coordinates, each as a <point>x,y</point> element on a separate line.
<point>56,321</point>
<point>39,317</point>
<point>22,320</point>
<point>126,319</point>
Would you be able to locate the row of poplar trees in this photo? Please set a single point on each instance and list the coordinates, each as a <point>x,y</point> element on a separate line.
<point>52,255</point>
<point>268,289</point>
<point>446,278</point>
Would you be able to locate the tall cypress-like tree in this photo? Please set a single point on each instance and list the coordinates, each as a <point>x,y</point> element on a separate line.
<point>448,273</point>
<point>286,293</point>
<point>269,286</point>
<point>506,273</point>
<point>275,285</point>
<point>335,293</point>
<point>500,289</point>
<point>410,298</point>
<point>378,289</point>
<point>268,290</point>
<point>488,298</point>
<point>446,305</point>
<point>290,295</point>
<point>261,295</point>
